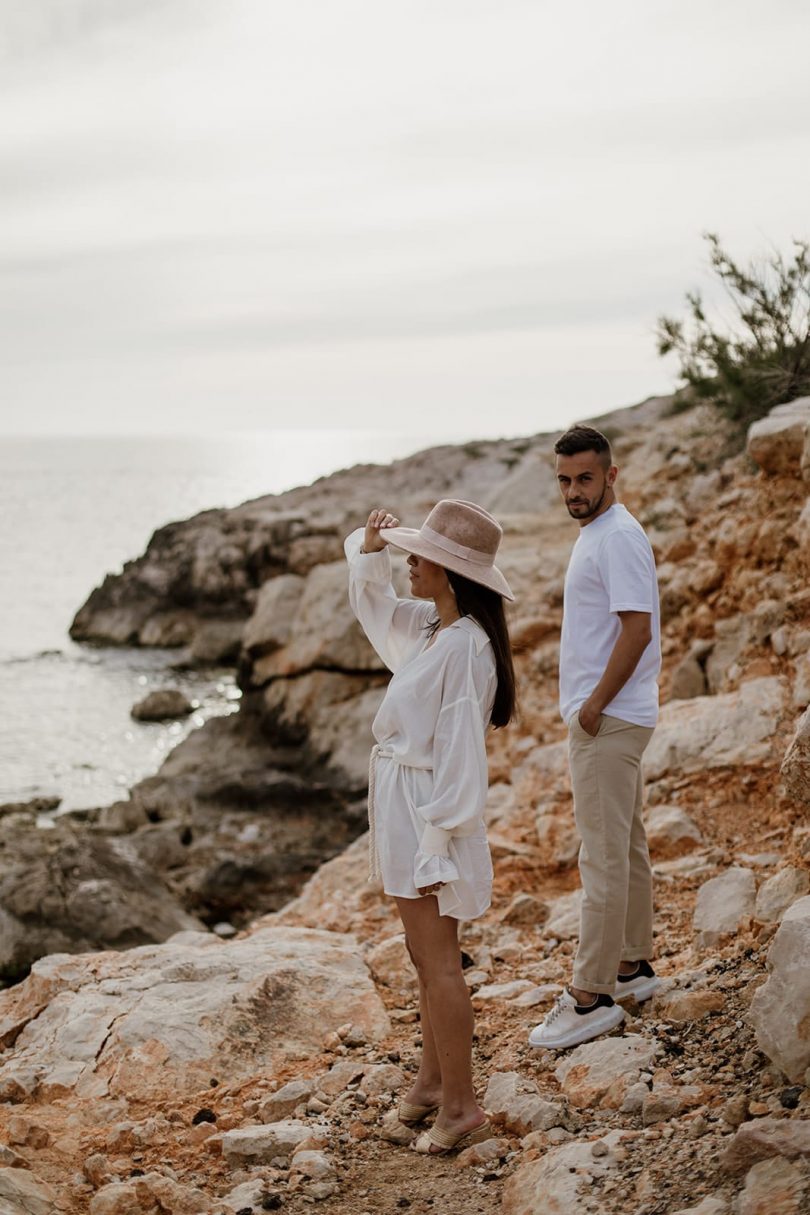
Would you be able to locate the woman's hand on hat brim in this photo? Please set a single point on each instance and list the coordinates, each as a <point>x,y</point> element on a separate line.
<point>378,519</point>
<point>434,889</point>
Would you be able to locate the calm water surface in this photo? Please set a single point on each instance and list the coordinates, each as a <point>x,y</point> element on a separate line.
<point>73,510</point>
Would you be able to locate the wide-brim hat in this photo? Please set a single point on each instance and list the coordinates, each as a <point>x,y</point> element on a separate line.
<point>459,536</point>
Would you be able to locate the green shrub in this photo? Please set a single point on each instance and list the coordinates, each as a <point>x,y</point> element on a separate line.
<point>760,356</point>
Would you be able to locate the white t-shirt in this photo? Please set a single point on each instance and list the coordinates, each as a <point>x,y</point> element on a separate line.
<point>612,569</point>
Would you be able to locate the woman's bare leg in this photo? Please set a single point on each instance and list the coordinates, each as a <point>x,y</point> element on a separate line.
<point>447,1025</point>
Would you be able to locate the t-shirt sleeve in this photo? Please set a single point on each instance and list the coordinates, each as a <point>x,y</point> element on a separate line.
<point>629,572</point>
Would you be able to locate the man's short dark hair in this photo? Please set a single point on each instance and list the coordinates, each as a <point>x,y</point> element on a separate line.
<point>584,438</point>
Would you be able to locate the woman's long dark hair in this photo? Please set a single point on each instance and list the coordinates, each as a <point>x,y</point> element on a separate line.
<point>486,606</point>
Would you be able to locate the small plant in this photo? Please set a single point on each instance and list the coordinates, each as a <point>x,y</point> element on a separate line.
<point>761,356</point>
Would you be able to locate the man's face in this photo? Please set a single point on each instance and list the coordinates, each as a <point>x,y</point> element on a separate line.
<point>585,485</point>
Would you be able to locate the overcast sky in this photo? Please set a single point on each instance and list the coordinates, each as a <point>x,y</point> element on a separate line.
<point>437,216</point>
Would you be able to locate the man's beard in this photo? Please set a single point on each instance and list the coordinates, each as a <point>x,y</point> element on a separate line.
<point>592,507</point>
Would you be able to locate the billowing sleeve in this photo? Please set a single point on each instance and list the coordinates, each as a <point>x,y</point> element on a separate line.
<point>460,772</point>
<point>391,624</point>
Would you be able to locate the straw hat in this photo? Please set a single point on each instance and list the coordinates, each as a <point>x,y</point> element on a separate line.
<point>459,536</point>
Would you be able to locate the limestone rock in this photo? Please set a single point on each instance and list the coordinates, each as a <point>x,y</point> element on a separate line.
<point>161,705</point>
<point>324,631</point>
<point>600,1072</point>
<point>152,1192</point>
<point>70,889</point>
<point>671,832</point>
<point>678,1006</point>
<point>780,892</point>
<point>775,1187</point>
<point>502,991</point>
<point>261,1144</point>
<point>390,964</point>
<point>486,1152</point>
<point>764,1138</point>
<point>525,909</point>
<point>688,679</point>
<point>313,1164</point>
<point>23,1194</point>
<point>271,624</point>
<point>777,442</point>
<point>563,916</point>
<point>382,1078</point>
<point>709,1206</point>
<point>216,642</point>
<point>734,728</point>
<point>516,1102</point>
<point>723,904</point>
<point>795,770</point>
<point>166,1018</point>
<point>562,1180</point>
<point>780,1009</point>
<point>282,1102</point>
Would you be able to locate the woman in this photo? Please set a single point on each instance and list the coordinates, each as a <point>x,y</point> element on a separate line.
<point>448,649</point>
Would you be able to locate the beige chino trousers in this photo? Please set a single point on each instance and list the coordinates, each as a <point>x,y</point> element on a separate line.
<point>616,921</point>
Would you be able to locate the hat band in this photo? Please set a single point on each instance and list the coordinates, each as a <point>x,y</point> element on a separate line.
<point>456,550</point>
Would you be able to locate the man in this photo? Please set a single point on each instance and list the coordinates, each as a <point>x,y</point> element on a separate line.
<point>610,656</point>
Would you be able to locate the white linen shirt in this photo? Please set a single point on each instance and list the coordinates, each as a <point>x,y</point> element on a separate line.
<point>432,722</point>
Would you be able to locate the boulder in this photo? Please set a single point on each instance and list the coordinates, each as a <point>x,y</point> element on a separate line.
<point>795,770</point>
<point>152,1192</point>
<point>777,442</point>
<point>71,889</point>
<point>164,1019</point>
<point>671,832</point>
<point>780,1009</point>
<point>21,1193</point>
<point>563,916</point>
<point>679,1006</point>
<point>286,1099</point>
<point>261,1144</point>
<point>324,631</point>
<point>162,705</point>
<point>391,965</point>
<point>780,892</point>
<point>600,1072</point>
<point>723,904</point>
<point>562,1181</point>
<point>329,898</point>
<point>216,642</point>
<point>775,1187</point>
<point>764,1138</point>
<point>709,1206</point>
<point>688,679</point>
<point>515,1101</point>
<point>270,627</point>
<point>730,729</point>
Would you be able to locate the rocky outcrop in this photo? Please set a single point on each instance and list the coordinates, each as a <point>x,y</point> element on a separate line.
<point>167,1075</point>
<point>68,890</point>
<point>778,443</point>
<point>734,728</point>
<point>164,1019</point>
<point>780,1010</point>
<point>723,904</point>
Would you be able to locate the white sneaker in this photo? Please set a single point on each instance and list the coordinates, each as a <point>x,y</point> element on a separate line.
<point>569,1023</point>
<point>640,984</point>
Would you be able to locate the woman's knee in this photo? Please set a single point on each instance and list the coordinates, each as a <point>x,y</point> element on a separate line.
<point>434,964</point>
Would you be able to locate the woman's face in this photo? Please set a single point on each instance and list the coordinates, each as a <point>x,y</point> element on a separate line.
<point>428,580</point>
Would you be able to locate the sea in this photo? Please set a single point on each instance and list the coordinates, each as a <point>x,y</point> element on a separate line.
<point>75,509</point>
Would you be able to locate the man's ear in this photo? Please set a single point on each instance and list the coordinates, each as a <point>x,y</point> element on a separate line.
<point>612,474</point>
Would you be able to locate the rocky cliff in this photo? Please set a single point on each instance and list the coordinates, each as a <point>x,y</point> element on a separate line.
<point>202,1075</point>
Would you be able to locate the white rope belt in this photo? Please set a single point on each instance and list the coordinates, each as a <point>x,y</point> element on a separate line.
<point>378,751</point>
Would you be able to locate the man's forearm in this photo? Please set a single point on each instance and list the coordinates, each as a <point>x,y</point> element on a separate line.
<point>624,658</point>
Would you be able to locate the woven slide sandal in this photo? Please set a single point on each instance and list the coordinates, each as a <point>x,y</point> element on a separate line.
<point>411,1115</point>
<point>445,1142</point>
